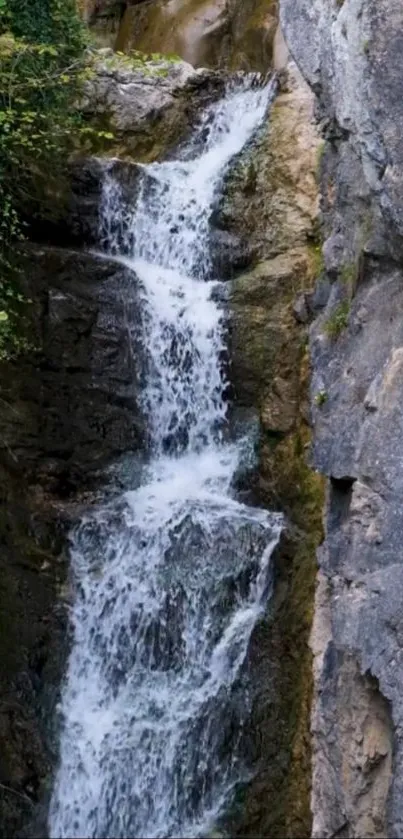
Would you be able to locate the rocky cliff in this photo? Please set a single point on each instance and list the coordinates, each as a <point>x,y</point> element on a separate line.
<point>349,52</point>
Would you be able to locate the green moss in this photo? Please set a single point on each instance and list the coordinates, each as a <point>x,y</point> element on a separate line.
<point>338,320</point>
<point>301,494</point>
<point>348,276</point>
<point>317,261</point>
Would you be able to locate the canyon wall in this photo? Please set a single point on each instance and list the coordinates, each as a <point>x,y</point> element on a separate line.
<point>349,52</point>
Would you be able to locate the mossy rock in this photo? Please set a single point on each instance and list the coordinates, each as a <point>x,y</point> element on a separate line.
<point>275,180</point>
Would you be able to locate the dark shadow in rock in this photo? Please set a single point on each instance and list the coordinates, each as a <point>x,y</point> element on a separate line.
<point>340,494</point>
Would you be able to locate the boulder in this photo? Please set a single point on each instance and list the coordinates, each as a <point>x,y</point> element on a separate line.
<point>149,104</point>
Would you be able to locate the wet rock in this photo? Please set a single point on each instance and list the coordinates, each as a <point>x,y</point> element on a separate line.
<point>273,180</point>
<point>262,323</point>
<point>71,405</point>
<point>69,408</point>
<point>78,221</point>
<point>270,203</point>
<point>229,254</point>
<point>33,648</point>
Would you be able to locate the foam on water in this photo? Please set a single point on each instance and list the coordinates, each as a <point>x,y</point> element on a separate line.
<point>171,579</point>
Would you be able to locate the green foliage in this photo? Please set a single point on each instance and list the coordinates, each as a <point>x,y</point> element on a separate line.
<point>348,276</point>
<point>338,320</point>
<point>321,397</point>
<point>150,64</point>
<point>41,72</point>
<point>318,264</point>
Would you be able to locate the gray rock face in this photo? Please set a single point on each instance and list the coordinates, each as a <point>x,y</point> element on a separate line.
<point>350,53</point>
<point>148,106</point>
<point>358,434</point>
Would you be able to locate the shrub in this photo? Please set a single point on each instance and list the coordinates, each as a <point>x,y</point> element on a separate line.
<point>338,320</point>
<point>42,46</point>
<point>321,398</point>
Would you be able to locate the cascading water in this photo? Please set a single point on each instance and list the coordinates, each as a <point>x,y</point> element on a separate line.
<point>171,579</point>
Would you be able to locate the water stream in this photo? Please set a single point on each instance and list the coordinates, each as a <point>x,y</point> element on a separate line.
<point>171,579</point>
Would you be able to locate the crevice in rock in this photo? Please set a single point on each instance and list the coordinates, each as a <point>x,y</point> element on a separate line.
<point>340,494</point>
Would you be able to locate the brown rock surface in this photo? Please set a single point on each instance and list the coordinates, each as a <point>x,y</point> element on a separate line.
<point>270,204</point>
<point>237,34</point>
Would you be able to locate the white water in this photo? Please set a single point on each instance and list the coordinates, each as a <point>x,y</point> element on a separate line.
<point>171,580</point>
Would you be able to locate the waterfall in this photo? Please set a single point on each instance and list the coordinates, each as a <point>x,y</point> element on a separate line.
<point>171,579</point>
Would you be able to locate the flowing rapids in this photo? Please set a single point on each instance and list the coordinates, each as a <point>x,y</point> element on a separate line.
<point>171,579</point>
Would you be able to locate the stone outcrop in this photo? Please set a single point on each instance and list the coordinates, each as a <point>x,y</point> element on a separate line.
<point>33,571</point>
<point>350,54</point>
<point>148,105</point>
